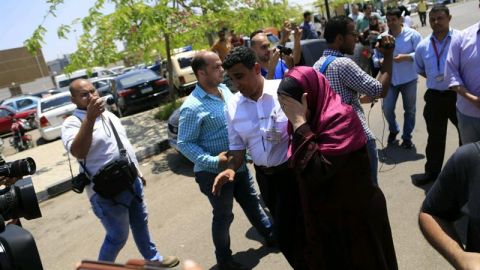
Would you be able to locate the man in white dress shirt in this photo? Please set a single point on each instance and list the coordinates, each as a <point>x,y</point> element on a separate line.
<point>256,123</point>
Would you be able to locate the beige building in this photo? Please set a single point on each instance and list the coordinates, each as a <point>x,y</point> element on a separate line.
<point>18,66</point>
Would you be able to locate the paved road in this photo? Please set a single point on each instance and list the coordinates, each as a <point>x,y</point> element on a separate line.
<point>180,215</point>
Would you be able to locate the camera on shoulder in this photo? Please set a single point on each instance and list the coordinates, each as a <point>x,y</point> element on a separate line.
<point>18,249</point>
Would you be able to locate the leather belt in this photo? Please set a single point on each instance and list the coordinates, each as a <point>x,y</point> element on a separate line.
<point>272,170</point>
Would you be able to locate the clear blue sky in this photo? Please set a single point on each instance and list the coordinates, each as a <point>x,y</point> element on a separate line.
<point>19,18</point>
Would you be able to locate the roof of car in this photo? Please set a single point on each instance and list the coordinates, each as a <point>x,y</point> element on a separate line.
<point>96,79</point>
<point>133,72</point>
<point>55,96</point>
<point>18,97</point>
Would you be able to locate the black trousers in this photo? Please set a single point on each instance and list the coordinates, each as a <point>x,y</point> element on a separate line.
<point>423,18</point>
<point>279,191</point>
<point>439,108</point>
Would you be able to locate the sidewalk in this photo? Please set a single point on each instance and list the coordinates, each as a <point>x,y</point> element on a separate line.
<point>148,136</point>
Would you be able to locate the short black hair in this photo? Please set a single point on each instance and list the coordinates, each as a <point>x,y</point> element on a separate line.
<point>198,61</point>
<point>440,8</point>
<point>253,34</point>
<point>336,26</point>
<point>394,12</point>
<point>306,14</point>
<point>240,55</point>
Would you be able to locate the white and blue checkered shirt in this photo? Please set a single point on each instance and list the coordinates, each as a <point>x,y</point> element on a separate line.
<point>202,128</point>
<point>350,81</point>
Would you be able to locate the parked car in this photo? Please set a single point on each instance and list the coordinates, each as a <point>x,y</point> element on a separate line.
<point>51,112</point>
<point>172,130</point>
<point>8,113</point>
<point>184,79</point>
<point>22,103</point>
<point>138,89</point>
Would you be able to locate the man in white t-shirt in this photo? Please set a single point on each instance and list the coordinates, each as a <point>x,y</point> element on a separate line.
<point>89,136</point>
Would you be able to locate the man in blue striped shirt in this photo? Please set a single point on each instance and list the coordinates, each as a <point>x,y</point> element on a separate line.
<point>203,138</point>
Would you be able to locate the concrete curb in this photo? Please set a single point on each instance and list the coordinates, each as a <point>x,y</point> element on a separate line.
<point>65,185</point>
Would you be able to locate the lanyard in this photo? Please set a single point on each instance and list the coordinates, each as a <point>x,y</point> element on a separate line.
<point>439,55</point>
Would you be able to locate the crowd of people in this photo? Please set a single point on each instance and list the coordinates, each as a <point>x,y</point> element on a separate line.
<point>305,131</point>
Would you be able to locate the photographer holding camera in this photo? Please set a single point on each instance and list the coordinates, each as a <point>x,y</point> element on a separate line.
<point>275,63</point>
<point>110,174</point>
<point>349,80</point>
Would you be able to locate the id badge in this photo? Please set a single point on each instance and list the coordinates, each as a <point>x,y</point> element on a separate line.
<point>273,135</point>
<point>439,78</point>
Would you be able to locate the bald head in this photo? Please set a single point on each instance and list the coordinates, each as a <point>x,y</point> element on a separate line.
<point>261,46</point>
<point>199,61</point>
<point>82,91</point>
<point>78,84</point>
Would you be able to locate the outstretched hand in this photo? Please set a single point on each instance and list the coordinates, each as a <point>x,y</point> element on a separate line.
<point>222,178</point>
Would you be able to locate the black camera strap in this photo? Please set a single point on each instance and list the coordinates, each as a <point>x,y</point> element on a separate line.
<point>123,153</point>
<point>121,149</point>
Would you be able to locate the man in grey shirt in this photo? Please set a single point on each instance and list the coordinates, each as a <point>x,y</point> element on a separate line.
<point>458,185</point>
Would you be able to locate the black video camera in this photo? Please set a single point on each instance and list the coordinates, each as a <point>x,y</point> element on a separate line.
<point>17,246</point>
<point>284,50</point>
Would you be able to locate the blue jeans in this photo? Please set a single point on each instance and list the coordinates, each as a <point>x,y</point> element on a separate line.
<point>117,217</point>
<point>242,189</point>
<point>469,128</point>
<point>373,156</point>
<point>409,98</point>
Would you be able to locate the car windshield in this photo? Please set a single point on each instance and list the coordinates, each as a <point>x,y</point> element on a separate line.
<point>134,78</point>
<point>185,62</point>
<point>51,104</point>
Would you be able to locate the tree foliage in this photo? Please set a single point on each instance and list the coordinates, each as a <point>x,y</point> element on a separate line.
<point>141,26</point>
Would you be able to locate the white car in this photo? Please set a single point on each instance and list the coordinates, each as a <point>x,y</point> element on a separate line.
<point>51,112</point>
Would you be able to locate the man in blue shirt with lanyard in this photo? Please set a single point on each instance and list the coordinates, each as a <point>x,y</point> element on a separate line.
<point>203,138</point>
<point>430,58</point>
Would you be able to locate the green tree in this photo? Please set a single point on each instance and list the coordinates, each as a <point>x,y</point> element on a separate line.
<point>143,26</point>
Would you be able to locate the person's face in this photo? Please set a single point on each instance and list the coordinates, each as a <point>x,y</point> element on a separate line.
<point>349,39</point>
<point>394,22</point>
<point>368,10</point>
<point>83,93</point>
<point>213,72</point>
<point>246,80</point>
<point>308,18</point>
<point>355,10</point>
<point>373,20</point>
<point>439,21</point>
<point>261,47</point>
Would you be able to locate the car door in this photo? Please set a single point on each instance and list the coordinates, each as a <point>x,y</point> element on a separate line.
<point>5,120</point>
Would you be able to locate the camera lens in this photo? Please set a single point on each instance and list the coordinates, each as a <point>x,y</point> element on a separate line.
<point>109,100</point>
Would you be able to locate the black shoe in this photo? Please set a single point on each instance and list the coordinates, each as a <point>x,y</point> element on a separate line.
<point>424,179</point>
<point>392,137</point>
<point>232,265</point>
<point>407,144</point>
<point>270,240</point>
